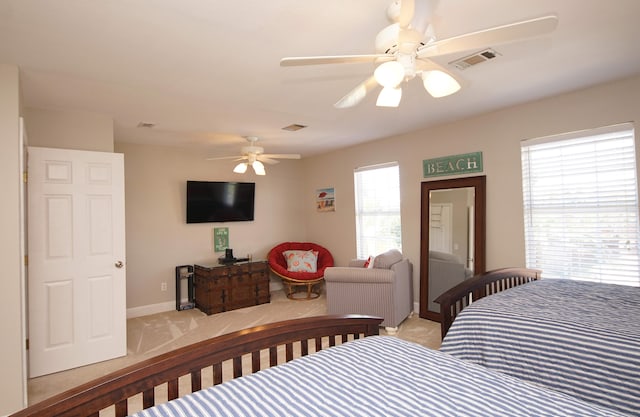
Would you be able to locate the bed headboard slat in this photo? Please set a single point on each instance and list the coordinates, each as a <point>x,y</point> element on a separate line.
<point>217,373</point>
<point>237,366</point>
<point>148,398</point>
<point>138,381</point>
<point>122,409</point>
<point>196,380</point>
<point>273,356</point>
<point>454,300</point>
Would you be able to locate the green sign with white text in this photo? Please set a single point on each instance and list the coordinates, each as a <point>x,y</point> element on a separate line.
<point>452,165</point>
<point>220,239</point>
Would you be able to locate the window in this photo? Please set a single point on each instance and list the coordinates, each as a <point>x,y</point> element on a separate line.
<point>581,205</point>
<point>377,190</point>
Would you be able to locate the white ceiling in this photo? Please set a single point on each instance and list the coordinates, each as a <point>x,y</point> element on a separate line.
<point>207,72</point>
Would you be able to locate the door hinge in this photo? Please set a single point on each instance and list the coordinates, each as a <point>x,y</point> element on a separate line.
<point>26,260</point>
<point>27,343</point>
<point>25,176</point>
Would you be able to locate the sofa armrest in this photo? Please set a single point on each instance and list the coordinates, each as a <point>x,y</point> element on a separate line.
<point>403,268</point>
<point>360,275</point>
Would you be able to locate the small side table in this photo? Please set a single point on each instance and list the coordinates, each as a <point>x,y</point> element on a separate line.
<point>184,272</point>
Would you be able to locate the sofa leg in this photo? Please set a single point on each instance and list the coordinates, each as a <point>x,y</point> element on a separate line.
<point>391,330</point>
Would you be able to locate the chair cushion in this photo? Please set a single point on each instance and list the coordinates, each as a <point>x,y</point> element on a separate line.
<point>301,260</point>
<point>386,259</point>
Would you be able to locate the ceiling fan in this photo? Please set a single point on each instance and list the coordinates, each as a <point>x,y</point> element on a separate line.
<point>404,49</point>
<point>254,156</point>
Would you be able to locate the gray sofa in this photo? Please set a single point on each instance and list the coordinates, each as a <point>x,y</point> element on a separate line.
<point>386,290</point>
<point>445,271</point>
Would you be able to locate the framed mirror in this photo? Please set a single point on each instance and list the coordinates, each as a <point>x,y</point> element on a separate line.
<point>452,237</point>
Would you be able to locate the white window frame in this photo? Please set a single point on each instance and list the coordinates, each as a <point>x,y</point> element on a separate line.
<point>377,206</point>
<point>580,198</point>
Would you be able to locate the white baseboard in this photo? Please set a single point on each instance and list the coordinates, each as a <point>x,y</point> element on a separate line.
<point>170,305</point>
<point>150,309</point>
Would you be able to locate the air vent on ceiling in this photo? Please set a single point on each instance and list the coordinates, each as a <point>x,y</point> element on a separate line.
<point>294,127</point>
<point>475,59</point>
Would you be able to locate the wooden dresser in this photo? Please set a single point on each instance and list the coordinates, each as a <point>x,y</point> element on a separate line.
<point>221,288</point>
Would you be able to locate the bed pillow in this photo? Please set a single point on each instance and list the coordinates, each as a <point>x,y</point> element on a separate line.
<point>301,260</point>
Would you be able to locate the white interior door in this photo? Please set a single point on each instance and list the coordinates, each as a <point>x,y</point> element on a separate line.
<point>76,244</point>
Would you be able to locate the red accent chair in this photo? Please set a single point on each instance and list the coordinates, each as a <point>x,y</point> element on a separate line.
<point>311,280</point>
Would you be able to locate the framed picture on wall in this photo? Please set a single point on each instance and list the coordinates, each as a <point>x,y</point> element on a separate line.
<point>325,199</point>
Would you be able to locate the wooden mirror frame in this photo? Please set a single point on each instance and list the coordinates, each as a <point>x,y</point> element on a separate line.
<point>479,184</point>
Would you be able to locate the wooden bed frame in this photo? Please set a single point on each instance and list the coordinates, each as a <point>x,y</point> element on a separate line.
<point>142,378</point>
<point>453,301</point>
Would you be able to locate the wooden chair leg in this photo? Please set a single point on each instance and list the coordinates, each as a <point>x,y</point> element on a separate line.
<point>292,289</point>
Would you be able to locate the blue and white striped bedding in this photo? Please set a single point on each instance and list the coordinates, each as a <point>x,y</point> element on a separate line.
<point>581,338</point>
<point>376,376</point>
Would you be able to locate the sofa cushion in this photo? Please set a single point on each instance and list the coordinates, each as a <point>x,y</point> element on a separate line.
<point>301,260</point>
<point>386,259</point>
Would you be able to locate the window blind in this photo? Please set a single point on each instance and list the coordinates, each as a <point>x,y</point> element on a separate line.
<point>581,205</point>
<point>377,204</point>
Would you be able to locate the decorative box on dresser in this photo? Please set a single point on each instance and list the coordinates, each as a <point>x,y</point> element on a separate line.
<point>221,288</point>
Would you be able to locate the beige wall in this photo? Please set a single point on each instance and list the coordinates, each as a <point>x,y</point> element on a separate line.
<point>158,238</point>
<point>497,135</point>
<point>70,130</point>
<point>11,309</point>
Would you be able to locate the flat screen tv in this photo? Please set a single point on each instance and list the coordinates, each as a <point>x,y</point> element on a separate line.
<point>216,201</point>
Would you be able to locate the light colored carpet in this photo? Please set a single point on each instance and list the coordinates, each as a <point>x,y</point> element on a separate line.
<point>152,335</point>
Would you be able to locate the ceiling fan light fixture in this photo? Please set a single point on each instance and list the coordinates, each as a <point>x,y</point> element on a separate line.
<point>439,83</point>
<point>258,168</point>
<point>389,74</point>
<point>241,168</point>
<point>389,97</point>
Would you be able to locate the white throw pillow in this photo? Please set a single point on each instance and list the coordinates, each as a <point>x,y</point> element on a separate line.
<point>369,262</point>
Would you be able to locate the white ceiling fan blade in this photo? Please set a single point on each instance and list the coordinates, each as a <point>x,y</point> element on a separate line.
<point>267,160</point>
<point>423,15</point>
<point>429,65</point>
<point>356,95</point>
<point>492,36</point>
<point>407,8</point>
<point>338,59</point>
<point>217,158</point>
<point>281,155</point>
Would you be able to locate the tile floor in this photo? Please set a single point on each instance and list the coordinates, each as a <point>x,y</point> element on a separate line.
<point>152,335</point>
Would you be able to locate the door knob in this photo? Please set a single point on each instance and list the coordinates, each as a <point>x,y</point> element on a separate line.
<point>119,264</point>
